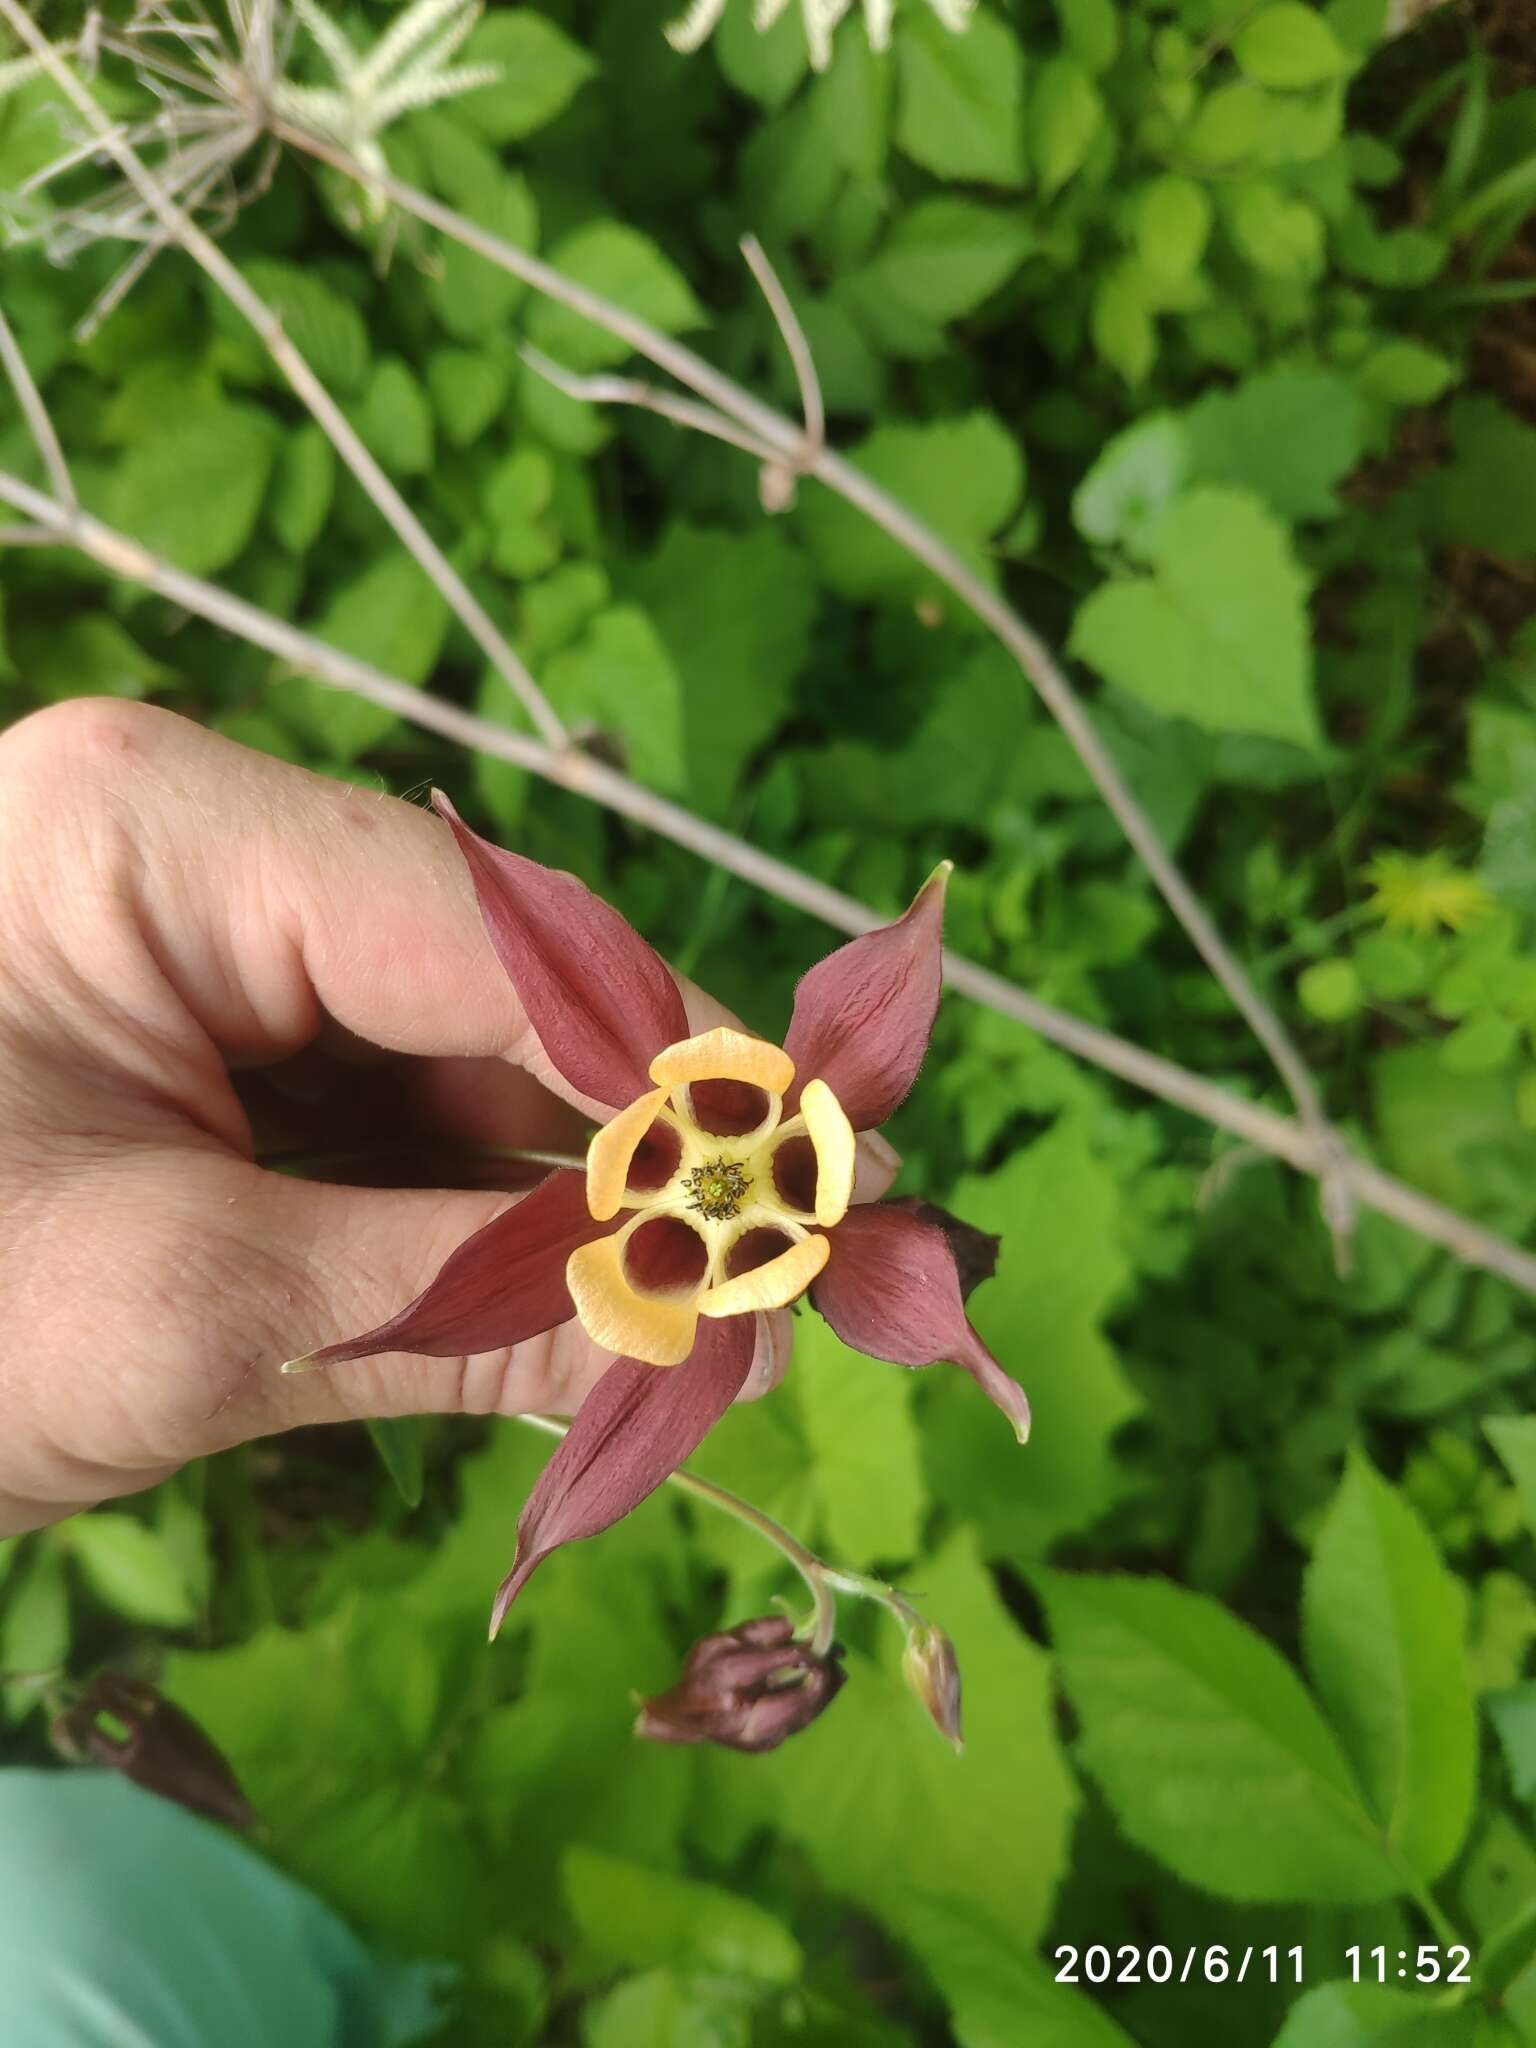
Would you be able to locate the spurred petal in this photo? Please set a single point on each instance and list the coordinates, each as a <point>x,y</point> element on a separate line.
<point>773,1285</point>
<point>724,1055</point>
<point>863,1015</point>
<point>502,1285</point>
<point>831,1135</point>
<point>599,999</point>
<point>891,1289</point>
<point>631,1433</point>
<point>656,1328</point>
<point>612,1153</point>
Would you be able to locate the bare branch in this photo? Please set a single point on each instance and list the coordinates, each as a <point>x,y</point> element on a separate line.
<point>327,414</point>
<point>35,413</point>
<point>797,347</point>
<point>773,430</point>
<point>1283,1137</point>
<point>609,390</point>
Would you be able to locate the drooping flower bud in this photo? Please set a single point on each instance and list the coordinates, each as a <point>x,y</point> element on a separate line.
<point>126,1725</point>
<point>749,1688</point>
<point>930,1668</point>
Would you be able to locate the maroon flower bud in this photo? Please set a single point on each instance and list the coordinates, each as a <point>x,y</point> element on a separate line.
<point>749,1688</point>
<point>929,1666</point>
<point>126,1725</point>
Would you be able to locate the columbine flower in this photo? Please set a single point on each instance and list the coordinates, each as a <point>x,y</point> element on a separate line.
<point>819,17</point>
<point>1416,892</point>
<point>749,1688</point>
<point>718,1189</point>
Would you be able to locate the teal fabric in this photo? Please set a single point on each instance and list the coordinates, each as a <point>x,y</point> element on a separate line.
<point>127,1922</point>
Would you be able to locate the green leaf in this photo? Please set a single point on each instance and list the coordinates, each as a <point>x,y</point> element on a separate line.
<point>964,476</point>
<point>1124,332</point>
<point>1090,29</point>
<point>541,69</point>
<point>1513,1714</point>
<point>1289,45</point>
<point>643,1917</point>
<point>1290,435</point>
<point>997,1992</point>
<point>1371,2015</point>
<point>1133,482</point>
<point>389,614</point>
<point>857,1417</point>
<point>303,485</point>
<point>1173,224</point>
<point>960,98</point>
<point>395,420</point>
<point>1514,1438</point>
<point>1208,1747</point>
<point>623,266</point>
<point>885,1810</point>
<point>34,1626</point>
<point>1384,1633</point>
<point>525,540</point>
<point>944,256</point>
<point>472,297</point>
<point>87,654</point>
<point>130,1569</point>
<point>620,677</point>
<point>398,1441</point>
<point>193,490</point>
<point>1059,1212</point>
<point>1404,372</point>
<point>767,63</point>
<point>469,389</point>
<point>669,2009</point>
<point>1330,989</point>
<point>1218,633</point>
<point>402,1850</point>
<point>1065,115</point>
<point>324,326</point>
<point>1487,496</point>
<point>1279,235</point>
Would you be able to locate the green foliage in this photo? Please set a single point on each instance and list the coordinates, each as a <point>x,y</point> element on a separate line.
<point>1218,632</point>
<point>1197,333</point>
<point>1384,1624</point>
<point>1211,1752</point>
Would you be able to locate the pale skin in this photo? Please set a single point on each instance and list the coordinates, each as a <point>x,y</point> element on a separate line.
<point>186,927</point>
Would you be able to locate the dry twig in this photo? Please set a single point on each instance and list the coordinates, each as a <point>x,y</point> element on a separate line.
<point>1281,1136</point>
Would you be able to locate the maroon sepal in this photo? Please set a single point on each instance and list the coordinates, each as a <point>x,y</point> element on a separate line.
<point>631,1433</point>
<point>125,1724</point>
<point>749,1688</point>
<point>892,1289</point>
<point>863,1015</point>
<point>502,1286</point>
<point>600,1000</point>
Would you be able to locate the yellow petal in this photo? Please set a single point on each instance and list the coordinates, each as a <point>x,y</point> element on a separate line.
<point>724,1055</point>
<point>658,1329</point>
<point>832,1135</point>
<point>775,1285</point>
<point>612,1152</point>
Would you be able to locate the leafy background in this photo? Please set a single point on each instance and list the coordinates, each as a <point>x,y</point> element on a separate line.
<point>1205,331</point>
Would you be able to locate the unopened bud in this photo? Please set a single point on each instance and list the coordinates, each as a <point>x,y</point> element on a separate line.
<point>929,1666</point>
<point>749,1688</point>
<point>126,1725</point>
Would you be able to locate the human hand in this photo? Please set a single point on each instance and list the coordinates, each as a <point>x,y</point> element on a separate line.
<point>184,925</point>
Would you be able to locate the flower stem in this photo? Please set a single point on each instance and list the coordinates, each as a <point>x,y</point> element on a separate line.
<point>820,1578</point>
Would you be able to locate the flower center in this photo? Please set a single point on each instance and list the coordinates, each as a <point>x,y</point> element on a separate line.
<point>717,1189</point>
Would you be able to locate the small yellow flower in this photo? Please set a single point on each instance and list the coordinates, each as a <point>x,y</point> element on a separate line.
<point>1417,892</point>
